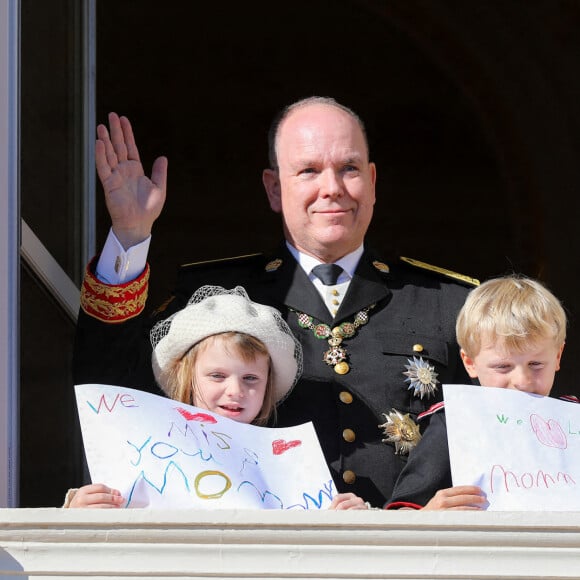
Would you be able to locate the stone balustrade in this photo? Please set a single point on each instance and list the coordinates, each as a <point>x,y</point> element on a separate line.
<point>242,544</point>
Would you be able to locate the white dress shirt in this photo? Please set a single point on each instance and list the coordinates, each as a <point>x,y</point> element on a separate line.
<point>331,295</point>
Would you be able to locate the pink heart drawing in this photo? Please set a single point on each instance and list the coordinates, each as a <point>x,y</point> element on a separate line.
<point>280,446</point>
<point>549,433</point>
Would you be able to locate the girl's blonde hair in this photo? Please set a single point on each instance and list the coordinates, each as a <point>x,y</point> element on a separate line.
<point>178,378</point>
<point>517,309</point>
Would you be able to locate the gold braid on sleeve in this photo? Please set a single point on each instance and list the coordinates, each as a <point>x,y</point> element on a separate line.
<point>114,304</point>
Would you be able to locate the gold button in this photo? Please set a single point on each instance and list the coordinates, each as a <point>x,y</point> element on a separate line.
<point>349,476</point>
<point>417,348</point>
<point>335,301</point>
<point>335,292</point>
<point>341,368</point>
<point>345,397</point>
<point>349,435</point>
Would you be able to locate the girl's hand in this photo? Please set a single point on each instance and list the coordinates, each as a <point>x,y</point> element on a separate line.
<point>97,495</point>
<point>348,501</point>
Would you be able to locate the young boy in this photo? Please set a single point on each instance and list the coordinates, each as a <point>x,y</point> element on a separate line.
<point>511,332</point>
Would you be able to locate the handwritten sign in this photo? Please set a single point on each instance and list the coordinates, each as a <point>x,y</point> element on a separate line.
<point>164,454</point>
<point>523,450</point>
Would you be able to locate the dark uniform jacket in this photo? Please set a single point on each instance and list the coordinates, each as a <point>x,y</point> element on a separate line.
<point>414,316</point>
<point>429,468</point>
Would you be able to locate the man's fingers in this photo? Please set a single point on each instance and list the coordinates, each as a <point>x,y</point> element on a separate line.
<point>118,137</point>
<point>102,163</point>
<point>159,172</point>
<point>105,138</point>
<point>130,147</point>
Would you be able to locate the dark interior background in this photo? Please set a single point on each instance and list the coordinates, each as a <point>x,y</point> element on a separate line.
<point>201,87</point>
<point>460,102</point>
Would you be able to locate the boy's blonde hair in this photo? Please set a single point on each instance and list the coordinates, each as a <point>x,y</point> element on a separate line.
<point>178,377</point>
<point>514,308</point>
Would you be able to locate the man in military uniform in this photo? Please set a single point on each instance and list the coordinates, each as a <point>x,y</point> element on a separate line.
<point>378,338</point>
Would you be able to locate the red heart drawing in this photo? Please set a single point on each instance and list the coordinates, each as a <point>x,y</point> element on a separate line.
<point>280,446</point>
<point>548,433</point>
<point>196,416</point>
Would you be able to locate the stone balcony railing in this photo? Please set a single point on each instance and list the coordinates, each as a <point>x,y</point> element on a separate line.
<point>56,543</point>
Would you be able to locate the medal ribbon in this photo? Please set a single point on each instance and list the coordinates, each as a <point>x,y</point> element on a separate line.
<point>336,354</point>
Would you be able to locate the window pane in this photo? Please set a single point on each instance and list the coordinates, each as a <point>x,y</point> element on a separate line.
<point>50,442</point>
<point>51,181</point>
<point>51,126</point>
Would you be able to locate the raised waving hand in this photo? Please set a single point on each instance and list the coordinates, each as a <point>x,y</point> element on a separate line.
<point>134,201</point>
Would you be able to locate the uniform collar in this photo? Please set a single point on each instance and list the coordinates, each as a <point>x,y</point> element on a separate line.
<point>348,263</point>
<point>368,286</point>
<point>288,285</point>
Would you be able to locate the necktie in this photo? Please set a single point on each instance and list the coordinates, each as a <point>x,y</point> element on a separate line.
<point>327,273</point>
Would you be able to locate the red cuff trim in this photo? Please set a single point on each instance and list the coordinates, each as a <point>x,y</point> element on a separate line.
<point>431,410</point>
<point>403,504</point>
<point>113,304</point>
<point>570,398</point>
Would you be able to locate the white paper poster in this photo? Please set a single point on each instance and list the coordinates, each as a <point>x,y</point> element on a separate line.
<point>160,453</point>
<point>523,450</point>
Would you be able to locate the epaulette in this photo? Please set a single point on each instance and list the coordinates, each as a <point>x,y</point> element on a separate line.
<point>449,273</point>
<point>196,270</point>
<point>222,261</point>
<point>431,410</point>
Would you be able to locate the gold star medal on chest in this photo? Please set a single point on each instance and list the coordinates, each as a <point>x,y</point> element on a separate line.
<point>336,356</point>
<point>401,430</point>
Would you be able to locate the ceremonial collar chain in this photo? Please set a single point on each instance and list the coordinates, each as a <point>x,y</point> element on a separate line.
<point>336,355</point>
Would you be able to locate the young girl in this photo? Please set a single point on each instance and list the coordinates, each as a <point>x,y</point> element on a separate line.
<point>226,354</point>
<point>511,331</point>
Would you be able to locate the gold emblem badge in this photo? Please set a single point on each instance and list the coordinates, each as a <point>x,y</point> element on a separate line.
<point>402,431</point>
<point>381,267</point>
<point>273,265</point>
<point>421,376</point>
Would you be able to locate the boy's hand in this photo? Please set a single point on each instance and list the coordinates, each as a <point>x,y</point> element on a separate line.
<point>460,497</point>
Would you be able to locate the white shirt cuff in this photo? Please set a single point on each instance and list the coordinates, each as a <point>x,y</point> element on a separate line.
<point>117,266</point>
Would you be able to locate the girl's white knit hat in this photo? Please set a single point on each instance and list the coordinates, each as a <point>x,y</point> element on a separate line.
<point>214,310</point>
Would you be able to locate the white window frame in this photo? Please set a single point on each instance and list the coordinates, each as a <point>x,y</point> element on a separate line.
<point>9,249</point>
